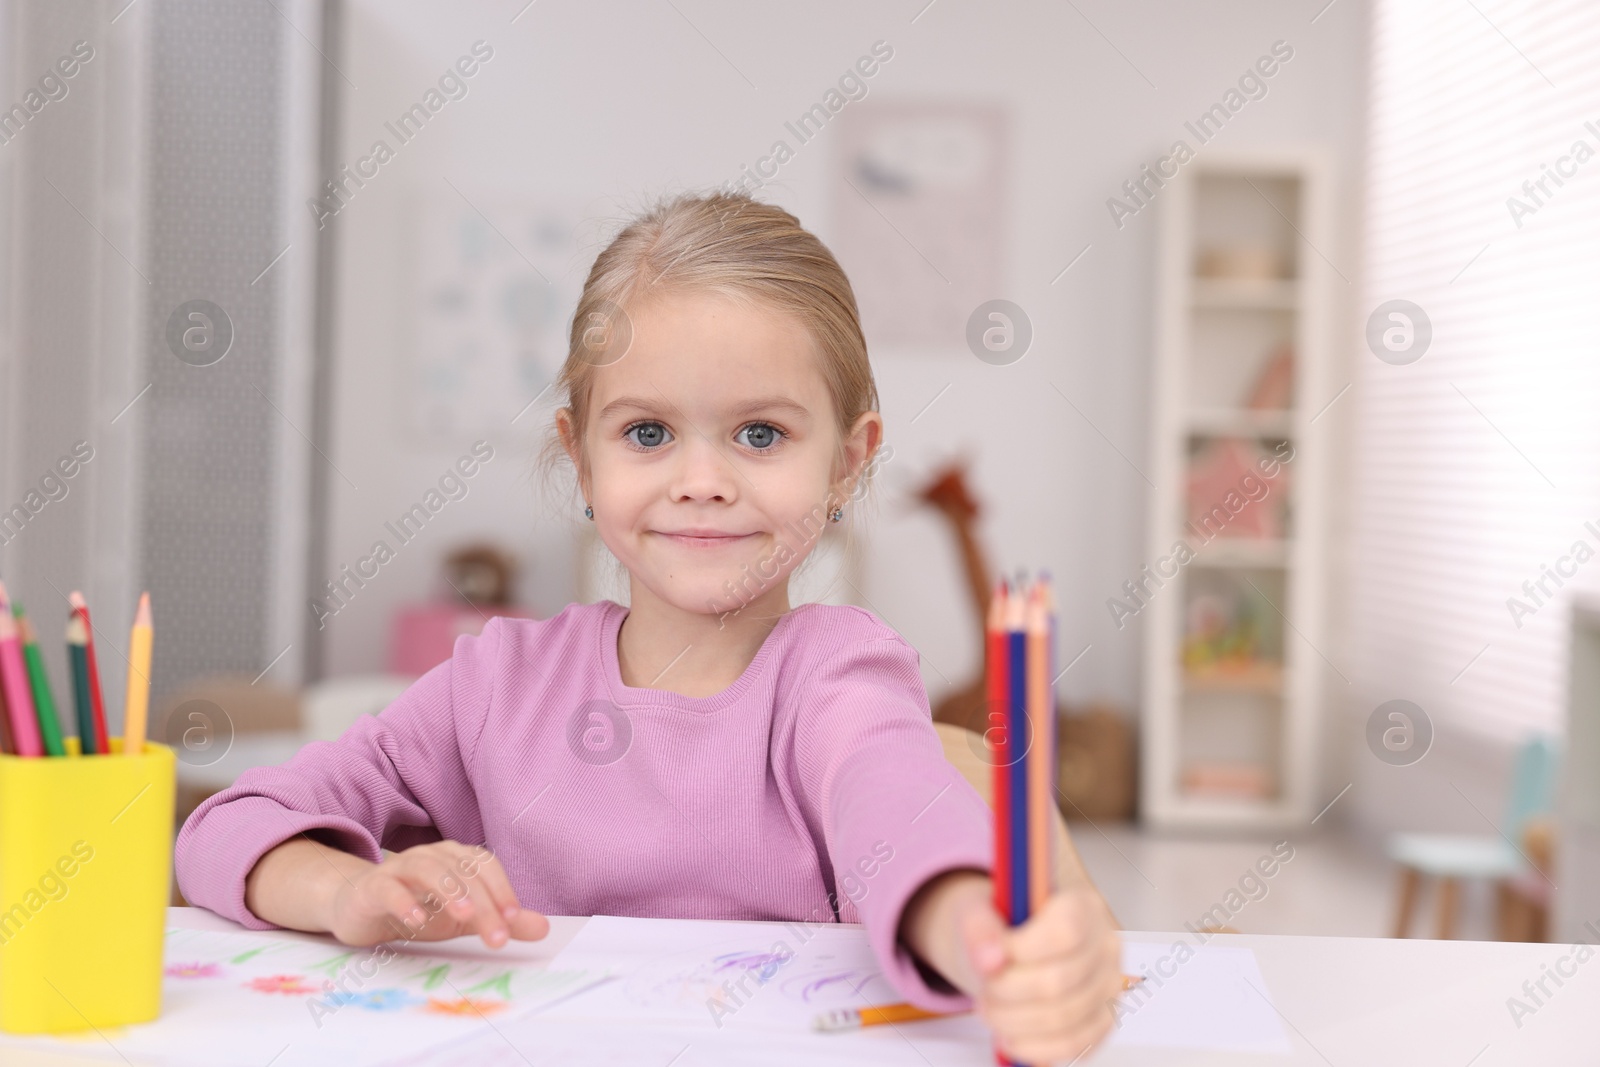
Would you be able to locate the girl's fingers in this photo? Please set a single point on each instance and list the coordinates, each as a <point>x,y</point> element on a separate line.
<point>1042,1017</point>
<point>1068,921</point>
<point>529,926</point>
<point>483,865</point>
<point>431,879</point>
<point>1060,977</point>
<point>474,907</point>
<point>400,906</point>
<point>480,864</point>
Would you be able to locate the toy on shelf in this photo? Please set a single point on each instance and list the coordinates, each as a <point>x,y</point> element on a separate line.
<point>477,587</point>
<point>482,574</point>
<point>1095,754</point>
<point>947,493</point>
<point>1229,497</point>
<point>1222,636</point>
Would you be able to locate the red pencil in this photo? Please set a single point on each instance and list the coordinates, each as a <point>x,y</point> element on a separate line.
<point>999,744</point>
<point>96,702</point>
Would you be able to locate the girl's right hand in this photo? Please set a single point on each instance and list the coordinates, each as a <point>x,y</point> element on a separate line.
<point>429,893</point>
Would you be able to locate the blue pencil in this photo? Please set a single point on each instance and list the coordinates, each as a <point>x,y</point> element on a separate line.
<point>1020,741</point>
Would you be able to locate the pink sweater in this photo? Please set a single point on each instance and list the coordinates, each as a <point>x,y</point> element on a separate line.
<point>814,788</point>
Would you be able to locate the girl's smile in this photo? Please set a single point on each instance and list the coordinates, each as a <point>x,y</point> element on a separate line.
<point>713,439</point>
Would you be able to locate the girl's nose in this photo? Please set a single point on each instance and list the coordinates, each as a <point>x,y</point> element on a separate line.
<point>703,472</point>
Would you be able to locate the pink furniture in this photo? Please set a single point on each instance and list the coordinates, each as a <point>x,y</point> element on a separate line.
<point>424,635</point>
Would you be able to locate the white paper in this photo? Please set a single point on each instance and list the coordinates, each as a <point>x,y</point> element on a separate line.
<point>623,991</point>
<point>715,975</point>
<point>248,999</point>
<point>1202,997</point>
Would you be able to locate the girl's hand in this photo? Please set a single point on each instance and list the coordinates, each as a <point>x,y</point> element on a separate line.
<point>1046,988</point>
<point>429,893</point>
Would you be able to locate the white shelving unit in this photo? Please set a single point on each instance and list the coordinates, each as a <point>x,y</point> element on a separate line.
<point>1230,719</point>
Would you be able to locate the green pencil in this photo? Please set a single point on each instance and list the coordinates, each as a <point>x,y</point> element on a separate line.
<point>78,657</point>
<point>44,703</point>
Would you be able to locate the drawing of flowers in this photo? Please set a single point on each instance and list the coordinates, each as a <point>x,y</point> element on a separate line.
<point>281,983</point>
<point>375,1000</point>
<point>465,1006</point>
<point>194,970</point>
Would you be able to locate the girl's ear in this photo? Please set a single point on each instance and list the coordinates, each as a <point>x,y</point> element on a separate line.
<point>573,447</point>
<point>860,445</point>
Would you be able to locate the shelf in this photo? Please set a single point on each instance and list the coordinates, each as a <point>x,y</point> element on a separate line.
<point>1242,552</point>
<point>1240,422</point>
<point>1244,293</point>
<point>1255,678</point>
<point>1245,332</point>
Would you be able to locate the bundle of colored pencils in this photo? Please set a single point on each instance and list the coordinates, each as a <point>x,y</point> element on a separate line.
<point>29,722</point>
<point>1022,735</point>
<point>1020,671</point>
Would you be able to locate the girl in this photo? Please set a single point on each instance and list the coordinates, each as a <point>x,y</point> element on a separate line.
<point>706,751</point>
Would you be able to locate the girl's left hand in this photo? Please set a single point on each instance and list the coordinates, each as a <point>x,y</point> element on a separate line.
<point>1047,988</point>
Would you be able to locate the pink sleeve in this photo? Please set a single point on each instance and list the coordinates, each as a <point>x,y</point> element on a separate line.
<point>392,780</point>
<point>894,811</point>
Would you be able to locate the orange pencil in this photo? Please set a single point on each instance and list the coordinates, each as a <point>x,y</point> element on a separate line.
<point>855,1018</point>
<point>1040,752</point>
<point>136,710</point>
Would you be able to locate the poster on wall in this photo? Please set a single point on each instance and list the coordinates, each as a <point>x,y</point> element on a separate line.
<point>496,281</point>
<point>919,216</point>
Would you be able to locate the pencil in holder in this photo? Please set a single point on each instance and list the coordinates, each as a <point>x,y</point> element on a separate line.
<point>85,879</point>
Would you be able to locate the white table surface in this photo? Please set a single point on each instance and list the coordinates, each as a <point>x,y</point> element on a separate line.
<point>1344,1001</point>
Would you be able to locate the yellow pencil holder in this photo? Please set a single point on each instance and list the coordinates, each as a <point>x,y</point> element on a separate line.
<point>85,879</point>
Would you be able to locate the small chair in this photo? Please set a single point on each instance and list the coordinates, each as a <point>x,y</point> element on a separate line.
<point>1453,857</point>
<point>1523,903</point>
<point>961,747</point>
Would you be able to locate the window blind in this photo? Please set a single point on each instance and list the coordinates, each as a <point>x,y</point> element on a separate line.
<point>1476,467</point>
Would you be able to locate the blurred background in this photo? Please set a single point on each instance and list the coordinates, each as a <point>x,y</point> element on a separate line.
<point>1269,329</point>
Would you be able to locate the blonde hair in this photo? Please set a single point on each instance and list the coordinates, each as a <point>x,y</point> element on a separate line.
<point>731,245</point>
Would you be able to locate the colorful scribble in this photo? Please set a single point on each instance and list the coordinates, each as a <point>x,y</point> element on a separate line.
<point>281,983</point>
<point>374,999</point>
<point>464,1006</point>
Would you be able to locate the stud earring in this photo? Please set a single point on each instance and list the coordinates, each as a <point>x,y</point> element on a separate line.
<point>837,515</point>
<point>588,512</point>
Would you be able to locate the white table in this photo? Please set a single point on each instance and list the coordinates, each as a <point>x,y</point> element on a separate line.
<point>1344,1001</point>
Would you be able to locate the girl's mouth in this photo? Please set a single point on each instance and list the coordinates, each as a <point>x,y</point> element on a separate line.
<point>703,538</point>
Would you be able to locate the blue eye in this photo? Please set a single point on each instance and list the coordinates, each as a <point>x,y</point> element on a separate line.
<point>647,435</point>
<point>760,436</point>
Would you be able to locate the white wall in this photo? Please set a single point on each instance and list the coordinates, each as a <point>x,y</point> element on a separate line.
<point>616,104</point>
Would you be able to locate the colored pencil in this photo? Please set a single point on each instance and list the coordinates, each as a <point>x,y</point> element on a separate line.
<point>44,701</point>
<point>1017,771</point>
<point>97,703</point>
<point>1038,776</point>
<point>855,1018</point>
<point>82,702</point>
<point>8,744</point>
<point>1052,741</point>
<point>997,711</point>
<point>137,708</point>
<point>14,676</point>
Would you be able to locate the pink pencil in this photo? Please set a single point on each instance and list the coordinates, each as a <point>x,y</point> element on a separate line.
<point>14,676</point>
